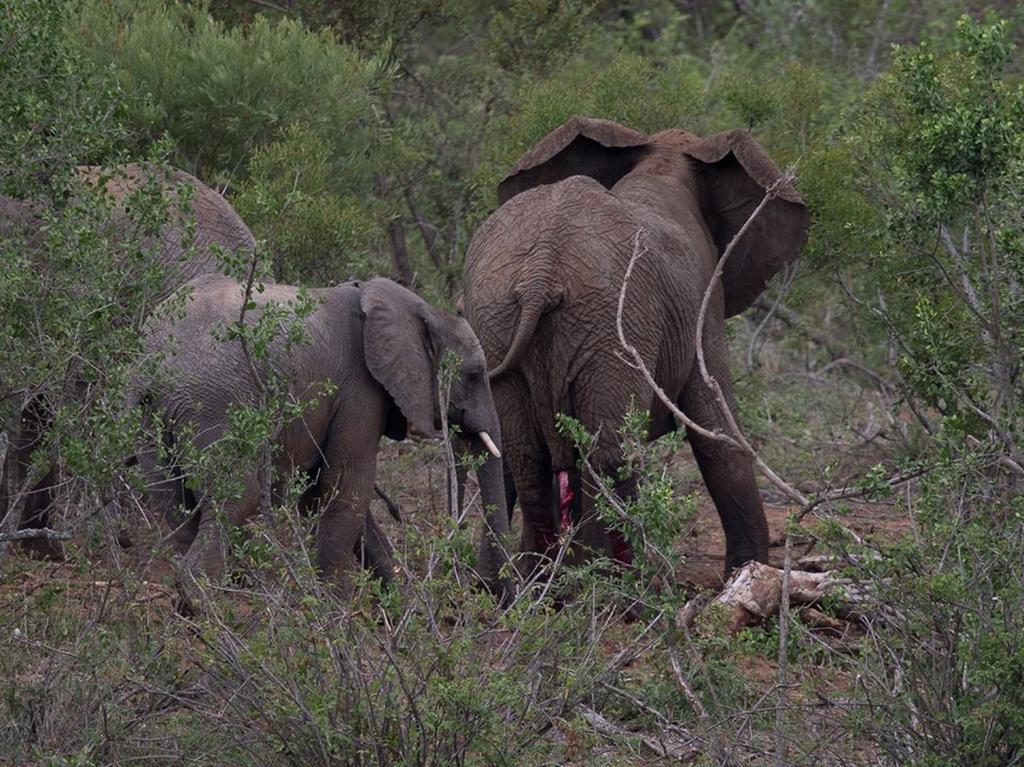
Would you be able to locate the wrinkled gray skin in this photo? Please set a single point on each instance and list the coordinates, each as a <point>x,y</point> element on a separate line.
<point>380,345</point>
<point>217,225</point>
<point>542,281</point>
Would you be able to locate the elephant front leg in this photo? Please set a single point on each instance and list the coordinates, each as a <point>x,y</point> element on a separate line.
<point>728,472</point>
<point>165,489</point>
<point>345,511</point>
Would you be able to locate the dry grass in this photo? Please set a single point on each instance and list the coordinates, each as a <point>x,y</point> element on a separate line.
<point>98,669</point>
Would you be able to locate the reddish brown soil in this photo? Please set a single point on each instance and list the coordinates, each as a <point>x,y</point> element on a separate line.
<point>704,548</point>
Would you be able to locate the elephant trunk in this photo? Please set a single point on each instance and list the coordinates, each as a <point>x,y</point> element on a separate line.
<point>493,546</point>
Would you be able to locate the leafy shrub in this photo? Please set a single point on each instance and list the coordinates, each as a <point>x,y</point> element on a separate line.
<point>942,665</point>
<point>57,108</point>
<point>315,230</point>
<point>221,92</point>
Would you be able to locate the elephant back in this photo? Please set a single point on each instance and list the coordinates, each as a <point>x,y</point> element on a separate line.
<point>218,228</point>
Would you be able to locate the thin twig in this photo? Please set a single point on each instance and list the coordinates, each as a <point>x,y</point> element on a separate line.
<point>683,752</point>
<point>781,746</point>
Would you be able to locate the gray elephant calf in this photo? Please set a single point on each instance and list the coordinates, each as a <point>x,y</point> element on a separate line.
<point>379,346</point>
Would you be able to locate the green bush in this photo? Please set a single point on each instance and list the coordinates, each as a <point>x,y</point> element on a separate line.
<point>222,92</point>
<point>315,231</point>
<point>943,665</point>
<point>57,108</point>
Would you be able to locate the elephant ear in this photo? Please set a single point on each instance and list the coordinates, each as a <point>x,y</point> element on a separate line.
<point>399,352</point>
<point>734,173</point>
<point>582,146</point>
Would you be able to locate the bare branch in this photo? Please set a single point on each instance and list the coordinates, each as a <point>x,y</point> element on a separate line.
<point>684,752</point>
<point>638,361</point>
<point>789,276</point>
<point>781,746</point>
<point>736,437</point>
<point>716,276</point>
<point>958,258</point>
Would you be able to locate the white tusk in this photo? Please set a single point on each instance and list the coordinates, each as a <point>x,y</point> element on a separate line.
<point>489,444</point>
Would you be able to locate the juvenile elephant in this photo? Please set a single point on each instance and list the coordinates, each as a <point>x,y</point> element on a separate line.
<point>542,282</point>
<point>184,252</point>
<point>379,346</point>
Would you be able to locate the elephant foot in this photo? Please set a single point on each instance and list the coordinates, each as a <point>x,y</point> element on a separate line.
<point>734,562</point>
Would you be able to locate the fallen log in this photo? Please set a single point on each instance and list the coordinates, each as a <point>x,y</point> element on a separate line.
<point>754,593</point>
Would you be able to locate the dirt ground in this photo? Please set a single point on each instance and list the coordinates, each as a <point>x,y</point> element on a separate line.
<point>704,548</point>
<point>417,482</point>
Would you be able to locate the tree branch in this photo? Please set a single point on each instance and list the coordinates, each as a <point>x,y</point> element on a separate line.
<point>638,361</point>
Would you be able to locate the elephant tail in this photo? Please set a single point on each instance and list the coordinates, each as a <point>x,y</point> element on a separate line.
<point>532,307</point>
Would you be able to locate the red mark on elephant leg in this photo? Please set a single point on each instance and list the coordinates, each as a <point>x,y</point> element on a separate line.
<point>621,549</point>
<point>565,496</point>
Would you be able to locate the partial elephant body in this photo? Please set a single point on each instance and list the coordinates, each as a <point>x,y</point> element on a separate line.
<point>218,228</point>
<point>574,292</point>
<point>376,346</point>
<point>185,252</point>
<point>543,277</point>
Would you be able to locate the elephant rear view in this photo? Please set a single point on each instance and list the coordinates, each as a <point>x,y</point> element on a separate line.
<point>367,366</point>
<point>542,281</point>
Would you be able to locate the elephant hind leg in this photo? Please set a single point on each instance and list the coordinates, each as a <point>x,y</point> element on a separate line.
<point>206,556</point>
<point>595,533</point>
<point>540,531</point>
<point>603,408</point>
<point>38,500</point>
<point>727,471</point>
<point>35,514</point>
<point>165,487</point>
<point>527,466</point>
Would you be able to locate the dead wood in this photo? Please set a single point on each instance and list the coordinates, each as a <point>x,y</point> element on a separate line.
<point>754,593</point>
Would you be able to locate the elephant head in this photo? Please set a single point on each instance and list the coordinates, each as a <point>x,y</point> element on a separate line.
<point>725,176</point>
<point>405,340</point>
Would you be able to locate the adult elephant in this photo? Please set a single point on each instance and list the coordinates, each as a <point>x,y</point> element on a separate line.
<point>379,347</point>
<point>189,243</point>
<point>542,281</point>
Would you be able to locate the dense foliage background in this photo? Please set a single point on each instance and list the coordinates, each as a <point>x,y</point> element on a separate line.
<point>367,138</point>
